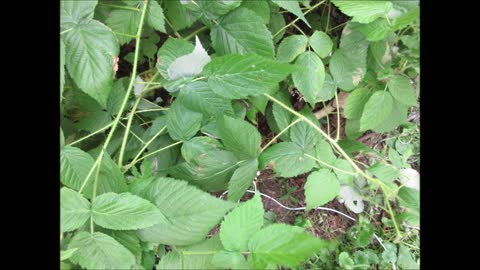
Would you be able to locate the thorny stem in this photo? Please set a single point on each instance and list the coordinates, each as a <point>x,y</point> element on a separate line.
<point>294,21</point>
<point>130,119</point>
<point>279,134</point>
<point>124,103</point>
<point>345,155</point>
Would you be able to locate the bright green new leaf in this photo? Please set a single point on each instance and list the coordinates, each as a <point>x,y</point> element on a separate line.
<point>376,110</point>
<point>291,47</point>
<point>171,50</point>
<point>287,159</point>
<point>74,210</point>
<point>125,212</point>
<point>345,261</point>
<point>199,97</point>
<point>364,11</point>
<point>124,21</point>
<point>242,31</point>
<point>321,43</point>
<point>91,49</point>
<point>310,78</point>
<point>284,245</point>
<point>293,7</point>
<point>237,76</point>
<point>402,90</point>
<point>240,224</point>
<point>230,260</point>
<point>239,137</point>
<point>356,102</point>
<point>241,179</point>
<point>321,187</point>
<point>182,123</point>
<point>155,17</point>
<point>260,7</point>
<point>100,251</point>
<point>192,213</point>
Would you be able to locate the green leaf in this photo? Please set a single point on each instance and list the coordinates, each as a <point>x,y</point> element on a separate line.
<point>376,110</point>
<point>240,224</point>
<point>293,7</point>
<point>260,7</point>
<point>324,152</point>
<point>125,212</point>
<point>409,198</point>
<point>287,159</point>
<point>128,239</point>
<point>189,65</point>
<point>283,245</point>
<point>74,210</point>
<point>124,21</point>
<point>192,212</point>
<point>291,47</point>
<point>214,9</point>
<point>65,254</point>
<point>210,171</point>
<point>179,16</point>
<point>281,116</point>
<point>356,102</point>
<point>345,261</point>
<point>310,78</point>
<point>405,19</point>
<point>100,251</point>
<point>344,165</point>
<point>305,136</point>
<point>348,65</point>
<point>75,12</point>
<point>277,22</point>
<point>230,260</point>
<point>199,97</point>
<point>239,76</point>
<point>62,68</point>
<point>241,179</point>
<point>90,52</point>
<point>242,31</point>
<point>405,258</point>
<point>402,90</point>
<point>364,11</point>
<point>115,99</point>
<point>197,256</point>
<point>320,43</point>
<point>155,17</point>
<point>74,166</point>
<point>352,129</point>
<point>328,90</point>
<point>62,138</point>
<point>239,137</point>
<point>171,50</point>
<point>321,187</point>
<point>197,147</point>
<point>384,172</point>
<point>398,116</point>
<point>376,30</point>
<point>182,123</point>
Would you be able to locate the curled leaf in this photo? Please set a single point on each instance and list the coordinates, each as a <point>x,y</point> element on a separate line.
<point>190,64</point>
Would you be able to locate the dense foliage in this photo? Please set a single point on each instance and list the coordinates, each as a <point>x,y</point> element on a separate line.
<point>168,103</point>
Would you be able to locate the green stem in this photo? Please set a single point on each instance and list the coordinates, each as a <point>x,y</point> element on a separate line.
<point>118,6</point>
<point>153,110</point>
<point>133,133</point>
<point>137,102</point>
<point>294,21</point>
<point>91,134</point>
<point>147,144</point>
<point>94,194</point>
<point>340,150</point>
<point>125,99</point>
<point>152,153</point>
<point>299,29</point>
<point>66,31</point>
<point>171,26</point>
<point>199,30</point>
<point>326,116</point>
<point>337,26</point>
<point>328,165</point>
<point>338,118</point>
<point>328,17</point>
<point>279,134</point>
<point>125,35</point>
